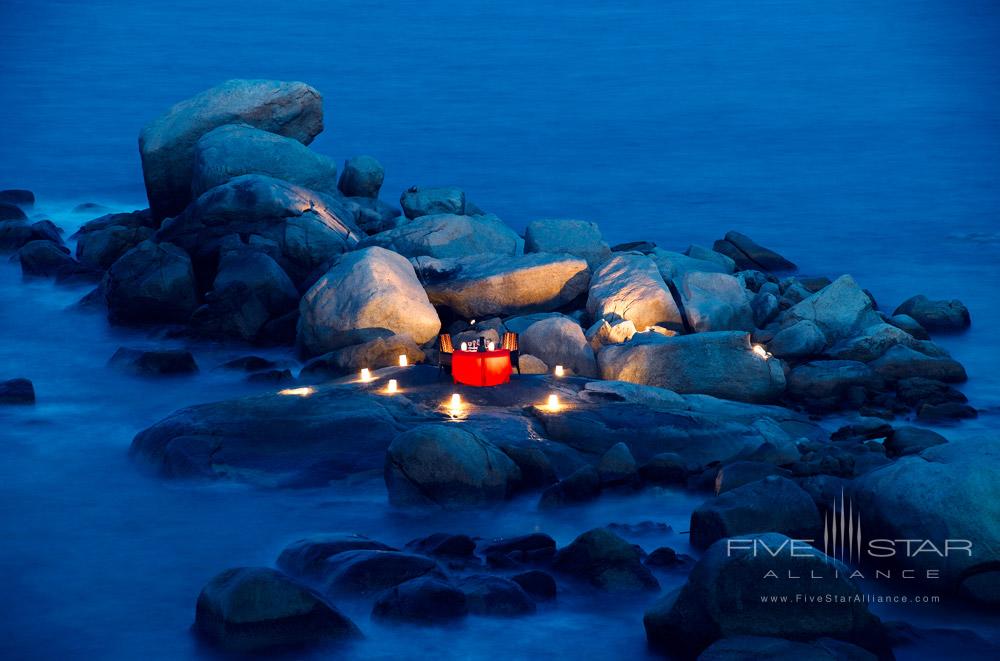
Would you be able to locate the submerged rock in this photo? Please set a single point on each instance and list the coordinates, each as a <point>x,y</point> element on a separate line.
<point>369,571</point>
<point>159,362</point>
<point>424,600</point>
<point>417,202</point>
<point>728,594</point>
<point>306,558</point>
<point>629,287</point>
<point>167,144</point>
<point>44,258</point>
<point>18,197</point>
<point>606,561</point>
<point>580,486</point>
<point>100,248</point>
<point>17,391</point>
<point>366,294</point>
<point>911,440</point>
<point>539,585</point>
<point>254,609</point>
<point>151,283</point>
<point>447,466</point>
<point>720,364</point>
<point>579,238</point>
<point>495,595</point>
<point>234,150</point>
<point>445,235</point>
<point>935,315</point>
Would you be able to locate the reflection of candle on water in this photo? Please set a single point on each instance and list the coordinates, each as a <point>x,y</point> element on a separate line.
<point>366,374</point>
<point>393,386</point>
<point>403,362</point>
<point>553,403</point>
<point>559,370</point>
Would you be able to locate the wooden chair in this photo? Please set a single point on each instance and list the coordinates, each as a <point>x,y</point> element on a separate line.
<point>445,350</point>
<point>509,343</point>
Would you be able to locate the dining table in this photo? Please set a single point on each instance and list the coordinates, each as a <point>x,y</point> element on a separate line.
<point>481,368</point>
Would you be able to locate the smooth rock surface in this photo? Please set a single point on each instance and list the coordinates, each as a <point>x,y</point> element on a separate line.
<point>580,238</point>
<point>629,287</point>
<point>151,283</point>
<point>445,235</point>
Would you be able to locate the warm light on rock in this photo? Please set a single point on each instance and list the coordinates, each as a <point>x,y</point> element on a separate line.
<point>761,351</point>
<point>366,375</point>
<point>559,370</point>
<point>298,392</point>
<point>456,401</point>
<point>403,361</point>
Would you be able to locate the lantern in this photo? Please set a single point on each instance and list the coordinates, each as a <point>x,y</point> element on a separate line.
<point>553,403</point>
<point>403,361</point>
<point>392,387</point>
<point>366,375</point>
<point>559,370</point>
<point>465,346</point>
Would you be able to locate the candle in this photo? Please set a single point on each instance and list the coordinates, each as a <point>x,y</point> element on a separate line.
<point>559,370</point>
<point>465,346</point>
<point>491,346</point>
<point>298,392</point>
<point>553,403</point>
<point>456,401</point>
<point>403,362</point>
<point>393,386</point>
<point>366,374</point>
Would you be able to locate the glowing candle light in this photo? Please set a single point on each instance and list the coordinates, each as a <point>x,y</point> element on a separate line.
<point>403,362</point>
<point>465,346</point>
<point>392,387</point>
<point>553,403</point>
<point>366,374</point>
<point>456,401</point>
<point>761,351</point>
<point>559,370</point>
<point>298,392</point>
<point>491,345</point>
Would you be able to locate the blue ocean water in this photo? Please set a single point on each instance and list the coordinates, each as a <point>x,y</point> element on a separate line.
<point>859,137</point>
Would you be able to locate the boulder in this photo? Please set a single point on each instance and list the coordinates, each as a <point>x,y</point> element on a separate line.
<point>738,473</point>
<point>18,197</point>
<point>522,549</point>
<point>424,600</point>
<point>130,219</point>
<point>911,440</point>
<point>17,391</point>
<point>46,229</point>
<point>706,254</point>
<point>916,391</point>
<point>373,215</point>
<point>935,315</point>
<point>841,310</point>
<point>665,557</point>
<point>338,431</point>
<point>629,287</point>
<point>307,228</point>
<point>374,354</point>
<point>447,466</point>
<point>603,333</point>
<point>617,466</point>
<point>948,491</point>
<point>802,339</point>
<point>496,596</point>
<point>901,362</point>
<point>582,485</point>
<point>528,364</point>
<point>255,609</point>
<point>478,287</point>
<point>445,235</point>
<point>536,469</point>
<point>765,307</point>
<point>417,202</point>
<point>15,233</point>
<point>370,571</point>
<point>579,238</point>
<point>159,362</point>
<point>715,302</point>
<point>365,294</point>
<point>910,325</point>
<point>830,380</point>
<point>362,177</point>
<point>444,545</point>
<point>151,283</point>
<point>732,592</point>
<point>11,212</point>
<point>43,258</point>
<point>306,558</point>
<point>606,561</point>
<point>664,468</point>
<point>773,504</point>
<point>674,265</point>
<point>234,150</point>
<point>539,585</point>
<point>946,411</point>
<point>557,340</point>
<point>721,364</point>
<point>167,144</point>
<point>100,248</point>
<point>740,648</point>
<point>749,255</point>
<point>874,341</point>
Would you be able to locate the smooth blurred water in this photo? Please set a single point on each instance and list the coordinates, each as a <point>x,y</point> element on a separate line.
<point>858,137</point>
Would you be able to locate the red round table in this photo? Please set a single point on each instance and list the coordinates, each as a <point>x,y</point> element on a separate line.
<point>481,368</point>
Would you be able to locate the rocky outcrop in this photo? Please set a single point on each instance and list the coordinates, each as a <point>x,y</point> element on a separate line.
<point>802,339</point>
<point>306,558</point>
<point>362,177</point>
<point>558,340</point>
<point>151,283</point>
<point>715,302</point>
<point>840,310</point>
<point>447,466</point>
<point>17,391</point>
<point>365,295</point>
<point>417,202</point>
<point>161,362</point>
<point>629,287</point>
<point>374,354</point>
<point>936,315</point>
<point>234,150</point>
<point>255,609</point>
<point>747,254</point>
<point>721,364</point>
<point>606,561</point>
<point>580,238</point>
<point>476,287</point>
<point>424,600</point>
<point>444,235</point>
<point>167,144</point>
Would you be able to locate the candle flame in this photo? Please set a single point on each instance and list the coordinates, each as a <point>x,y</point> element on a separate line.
<point>392,387</point>
<point>403,361</point>
<point>298,392</point>
<point>559,370</point>
<point>553,403</point>
<point>366,375</point>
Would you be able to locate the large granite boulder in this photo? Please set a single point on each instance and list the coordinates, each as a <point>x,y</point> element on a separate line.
<point>423,600</point>
<point>830,380</point>
<point>674,265</point>
<point>17,391</point>
<point>151,283</point>
<point>715,302</point>
<point>840,310</point>
<point>445,235</point>
<point>748,254</point>
<point>476,287</point>
<point>167,144</point>
<point>603,333</point>
<point>100,248</point>
<point>45,258</point>
<point>774,504</point>
<point>306,558</point>
<point>874,341</point>
<point>720,363</point>
<point>949,491</point>
<point>606,561</point>
<point>936,315</point>
<point>417,202</point>
<point>901,362</point>
<point>800,340</point>
<point>495,596</point>
<point>366,294</point>
<point>370,571</point>
<point>256,609</point>
<point>447,466</point>
<point>362,177</point>
<point>629,287</point>
<point>337,431</point>
<point>580,238</point>
<point>307,228</point>
<point>736,589</point>
<point>557,340</point>
<point>234,150</point>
